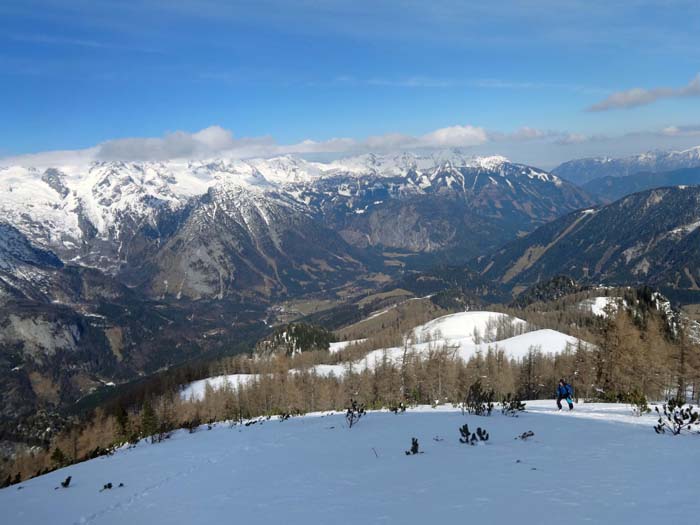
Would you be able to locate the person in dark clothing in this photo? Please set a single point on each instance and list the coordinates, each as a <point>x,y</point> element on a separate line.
<point>564,391</point>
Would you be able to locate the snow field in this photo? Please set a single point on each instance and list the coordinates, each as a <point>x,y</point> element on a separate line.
<point>590,466</point>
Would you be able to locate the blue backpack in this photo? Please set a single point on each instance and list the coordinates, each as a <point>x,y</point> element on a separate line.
<point>565,390</point>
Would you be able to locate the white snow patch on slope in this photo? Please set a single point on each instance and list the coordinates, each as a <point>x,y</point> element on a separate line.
<point>342,345</point>
<point>546,341</point>
<point>463,325</point>
<point>686,229</point>
<point>597,305</point>
<point>598,464</point>
<point>195,390</point>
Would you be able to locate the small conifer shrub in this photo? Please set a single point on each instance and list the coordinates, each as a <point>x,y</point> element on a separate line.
<point>472,438</point>
<point>354,413</point>
<point>639,403</point>
<point>676,419</point>
<point>512,405</point>
<point>398,409</point>
<point>478,400</point>
<point>414,448</point>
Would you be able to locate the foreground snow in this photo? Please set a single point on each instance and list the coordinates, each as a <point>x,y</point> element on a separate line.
<point>590,466</point>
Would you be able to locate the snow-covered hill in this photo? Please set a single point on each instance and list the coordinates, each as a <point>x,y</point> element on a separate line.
<point>473,326</point>
<point>598,464</point>
<point>463,335</point>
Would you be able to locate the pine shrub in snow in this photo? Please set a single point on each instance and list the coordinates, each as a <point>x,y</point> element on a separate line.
<point>354,413</point>
<point>470,438</point>
<point>676,419</point>
<point>398,409</point>
<point>512,405</point>
<point>58,457</point>
<point>478,401</point>
<point>193,424</point>
<point>149,421</point>
<point>414,447</point>
<point>639,403</point>
<point>7,482</point>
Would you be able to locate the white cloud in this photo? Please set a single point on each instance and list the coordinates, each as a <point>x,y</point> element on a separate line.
<point>640,97</point>
<point>681,131</point>
<point>573,138</point>
<point>178,144</point>
<point>526,133</point>
<point>453,137</point>
<point>215,141</point>
<point>388,141</point>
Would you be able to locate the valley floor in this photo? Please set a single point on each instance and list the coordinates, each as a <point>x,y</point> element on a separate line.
<point>598,464</point>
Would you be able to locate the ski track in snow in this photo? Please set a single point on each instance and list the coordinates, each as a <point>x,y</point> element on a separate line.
<point>597,464</point>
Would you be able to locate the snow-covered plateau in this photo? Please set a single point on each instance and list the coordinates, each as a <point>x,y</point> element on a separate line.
<point>598,464</point>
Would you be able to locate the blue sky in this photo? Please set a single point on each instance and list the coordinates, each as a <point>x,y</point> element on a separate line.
<point>538,81</point>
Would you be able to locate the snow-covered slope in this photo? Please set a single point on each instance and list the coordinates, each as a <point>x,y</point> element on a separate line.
<point>342,345</point>
<point>197,389</point>
<point>598,305</point>
<point>25,270</point>
<point>598,464</point>
<point>467,325</point>
<point>516,347</point>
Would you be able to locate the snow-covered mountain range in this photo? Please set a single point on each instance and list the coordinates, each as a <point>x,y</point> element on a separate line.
<point>201,228</point>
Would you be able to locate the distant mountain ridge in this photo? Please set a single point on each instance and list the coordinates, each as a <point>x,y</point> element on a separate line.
<point>651,237</point>
<point>581,171</point>
<point>610,189</point>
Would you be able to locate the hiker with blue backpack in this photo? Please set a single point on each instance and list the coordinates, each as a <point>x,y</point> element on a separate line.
<point>564,391</point>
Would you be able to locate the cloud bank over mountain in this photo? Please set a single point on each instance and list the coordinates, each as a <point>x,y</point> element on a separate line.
<point>530,145</point>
